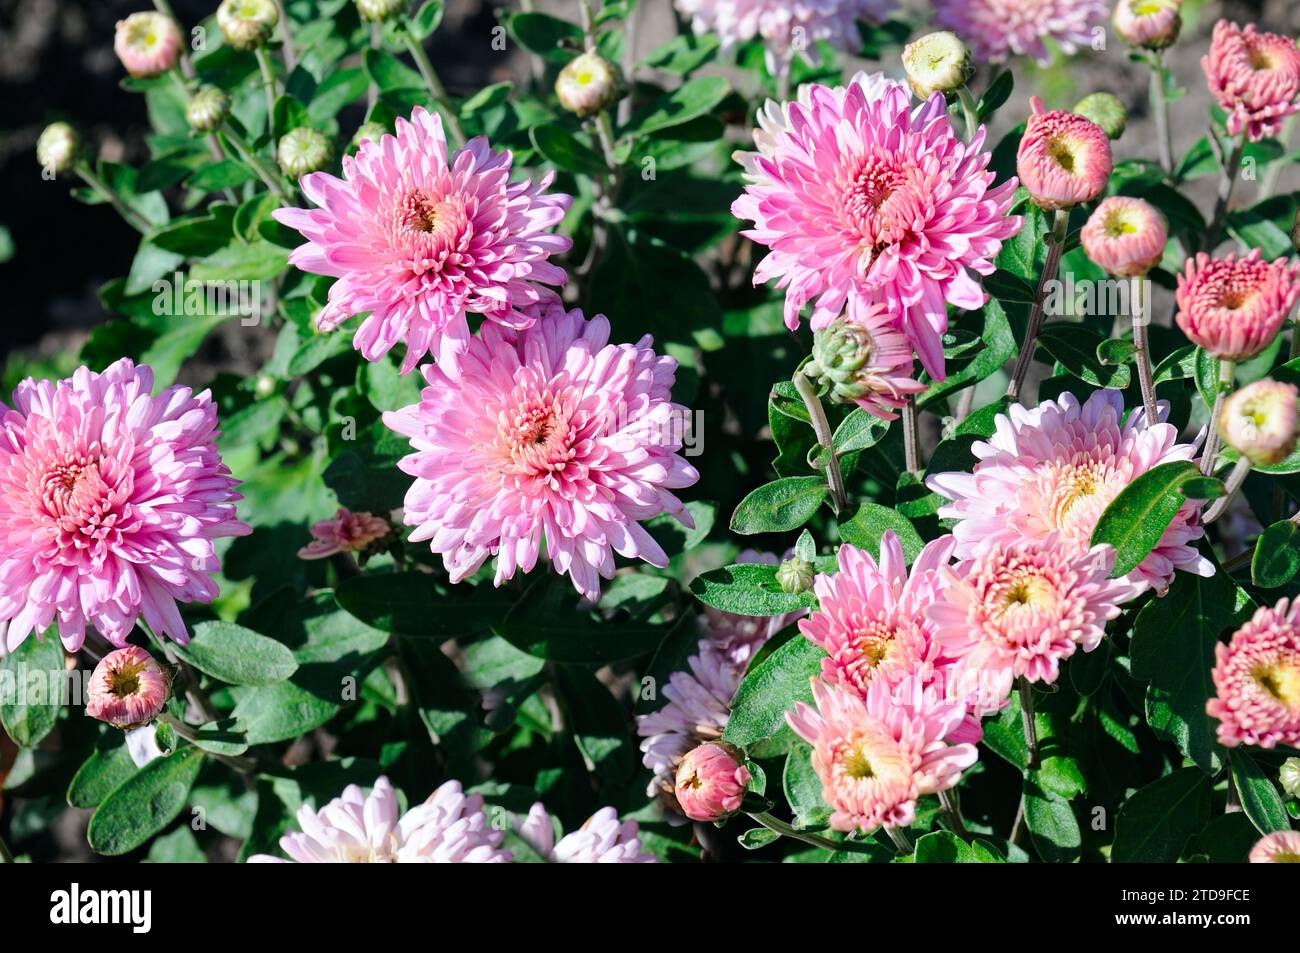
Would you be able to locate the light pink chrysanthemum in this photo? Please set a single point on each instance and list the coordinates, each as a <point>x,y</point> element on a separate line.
<point>1000,29</point>
<point>128,688</point>
<point>876,756</point>
<point>1125,236</point>
<point>1055,468</point>
<point>1280,847</point>
<point>864,200</point>
<point>1064,160</point>
<point>550,432</point>
<point>711,782</point>
<point>602,839</point>
<point>1257,680</point>
<point>867,361</point>
<point>110,499</point>
<point>1255,77</point>
<point>1152,24</point>
<point>1234,307</point>
<point>871,620</point>
<point>788,27</point>
<point>1019,610</point>
<point>147,43</point>
<point>355,828</point>
<point>421,241</point>
<point>347,532</point>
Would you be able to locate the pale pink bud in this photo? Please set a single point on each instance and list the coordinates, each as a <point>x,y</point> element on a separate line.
<point>588,84</point>
<point>347,532</point>
<point>1255,77</point>
<point>147,43</point>
<point>1125,236</point>
<point>711,782</point>
<point>128,688</point>
<point>1152,24</point>
<point>1259,421</point>
<point>1064,159</point>
<point>1234,307</point>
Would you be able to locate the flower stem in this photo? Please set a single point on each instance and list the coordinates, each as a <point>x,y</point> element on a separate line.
<point>900,840</point>
<point>1027,720</point>
<point>246,152</point>
<point>1160,109</point>
<point>1055,248</point>
<point>1226,186</point>
<point>268,83</point>
<point>436,89</point>
<point>193,690</point>
<point>952,810</point>
<point>286,43</point>
<point>1235,479</point>
<point>1227,371</point>
<point>785,830</point>
<point>911,450</point>
<point>132,217</point>
<point>822,427</point>
<point>5,856</point>
<point>1142,354</point>
<point>1269,185</point>
<point>969,110</point>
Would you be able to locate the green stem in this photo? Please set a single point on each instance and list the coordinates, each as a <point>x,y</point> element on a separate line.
<point>132,217</point>
<point>1055,248</point>
<point>822,427</point>
<point>247,153</point>
<point>952,810</point>
<point>5,856</point>
<point>286,43</point>
<point>970,110</point>
<point>785,830</point>
<point>1027,720</point>
<point>268,83</point>
<point>436,89</point>
<point>900,840</point>
<point>1142,354</point>
<point>911,447</point>
<point>1160,109</point>
<point>1226,187</point>
<point>1236,478</point>
<point>1227,372</point>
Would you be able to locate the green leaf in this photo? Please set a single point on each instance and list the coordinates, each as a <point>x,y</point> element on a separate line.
<point>108,766</point>
<point>547,624</point>
<point>944,847</point>
<point>236,655</point>
<point>1155,824</point>
<point>389,73</point>
<point>692,99</point>
<point>1075,348</point>
<point>768,691</point>
<point>1173,647</point>
<point>225,736</point>
<point>1179,365</point>
<point>748,589</point>
<point>549,37</point>
<point>562,150</point>
<point>1259,797</point>
<point>446,706</point>
<point>599,724</point>
<point>32,681</point>
<point>997,94</point>
<point>868,525</point>
<point>178,847</point>
<point>1052,825</point>
<point>427,19</point>
<point>411,604</point>
<point>144,804</point>
<point>757,837</point>
<point>1277,556</point>
<point>221,174</point>
<point>1137,518</point>
<point>803,789</point>
<point>683,54</point>
<point>779,506</point>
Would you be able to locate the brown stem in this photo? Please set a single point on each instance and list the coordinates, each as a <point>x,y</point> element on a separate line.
<point>1055,248</point>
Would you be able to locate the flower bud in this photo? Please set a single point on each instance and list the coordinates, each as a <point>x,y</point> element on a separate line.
<point>347,532</point>
<point>867,362</point>
<point>1106,111</point>
<point>937,63</point>
<point>1125,236</point>
<point>1289,776</point>
<point>147,43</point>
<point>588,84</point>
<point>247,24</point>
<point>1152,24</point>
<point>373,131</point>
<point>1064,159</point>
<point>795,575</point>
<point>128,688</point>
<point>207,109</point>
<point>58,147</point>
<point>711,782</point>
<point>1259,421</point>
<point>302,151</point>
<point>376,11</point>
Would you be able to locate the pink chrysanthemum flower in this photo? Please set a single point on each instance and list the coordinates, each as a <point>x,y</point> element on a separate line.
<point>602,839</point>
<point>1255,77</point>
<point>871,620</point>
<point>421,241</point>
<point>1280,847</point>
<point>711,782</point>
<point>355,828</point>
<point>1055,468</point>
<point>1234,307</point>
<point>109,502</point>
<point>1125,236</point>
<point>1000,29</point>
<point>347,532</point>
<point>128,688</point>
<point>1019,610</point>
<point>147,43</point>
<point>1064,160</point>
<point>789,27</point>
<point>551,432</point>
<point>864,200</point>
<point>867,361</point>
<point>1257,680</point>
<point>1151,24</point>
<point>876,756</point>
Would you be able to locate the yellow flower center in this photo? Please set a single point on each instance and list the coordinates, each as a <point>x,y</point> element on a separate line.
<point>1282,681</point>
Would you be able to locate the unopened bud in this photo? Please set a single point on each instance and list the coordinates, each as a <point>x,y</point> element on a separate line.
<point>147,43</point>
<point>377,11</point>
<point>711,782</point>
<point>373,131</point>
<point>207,109</point>
<point>302,151</point>
<point>58,147</point>
<point>1106,111</point>
<point>1259,421</point>
<point>937,63</point>
<point>247,24</point>
<point>795,575</point>
<point>128,688</point>
<point>841,352</point>
<point>1151,24</point>
<point>588,84</point>
<point>1290,777</point>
